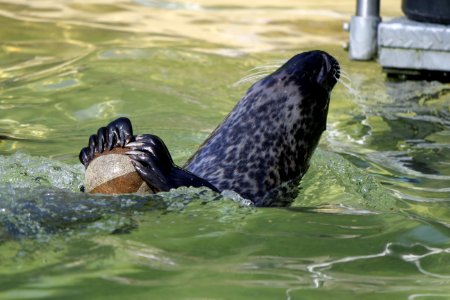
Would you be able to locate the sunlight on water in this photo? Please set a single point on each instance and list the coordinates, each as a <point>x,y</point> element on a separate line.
<point>395,134</point>
<point>372,219</point>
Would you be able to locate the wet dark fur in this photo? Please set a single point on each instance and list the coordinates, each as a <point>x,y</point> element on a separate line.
<point>263,147</point>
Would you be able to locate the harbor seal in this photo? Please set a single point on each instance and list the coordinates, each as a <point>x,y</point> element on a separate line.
<point>262,148</point>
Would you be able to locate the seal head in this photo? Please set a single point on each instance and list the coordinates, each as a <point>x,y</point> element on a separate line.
<point>270,135</point>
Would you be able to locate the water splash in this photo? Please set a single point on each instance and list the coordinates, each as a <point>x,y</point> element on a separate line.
<point>21,170</point>
<point>40,196</point>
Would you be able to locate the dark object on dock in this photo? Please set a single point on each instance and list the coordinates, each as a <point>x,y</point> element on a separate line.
<point>430,11</point>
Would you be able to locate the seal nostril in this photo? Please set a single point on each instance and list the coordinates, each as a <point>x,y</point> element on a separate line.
<point>336,71</point>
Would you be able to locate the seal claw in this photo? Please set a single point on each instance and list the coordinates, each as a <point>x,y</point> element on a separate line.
<point>141,137</point>
<point>118,133</point>
<point>134,152</point>
<point>154,164</point>
<point>84,156</point>
<point>154,179</point>
<point>102,135</point>
<point>135,144</point>
<point>92,144</point>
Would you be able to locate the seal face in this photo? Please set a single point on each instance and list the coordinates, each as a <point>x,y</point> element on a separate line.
<point>261,149</point>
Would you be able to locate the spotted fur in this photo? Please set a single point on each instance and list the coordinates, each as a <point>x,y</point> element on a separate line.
<point>269,137</point>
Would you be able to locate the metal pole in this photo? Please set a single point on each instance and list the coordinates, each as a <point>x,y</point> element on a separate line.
<point>363,30</point>
<point>368,8</point>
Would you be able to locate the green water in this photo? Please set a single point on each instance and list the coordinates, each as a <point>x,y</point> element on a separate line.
<point>373,214</point>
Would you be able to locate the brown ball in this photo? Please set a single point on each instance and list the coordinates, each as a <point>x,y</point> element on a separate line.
<point>112,172</point>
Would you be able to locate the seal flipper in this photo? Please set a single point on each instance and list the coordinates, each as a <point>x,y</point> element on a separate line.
<point>149,155</point>
<point>118,133</point>
<point>153,162</point>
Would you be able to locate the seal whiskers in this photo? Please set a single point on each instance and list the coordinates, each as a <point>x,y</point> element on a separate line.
<point>259,72</point>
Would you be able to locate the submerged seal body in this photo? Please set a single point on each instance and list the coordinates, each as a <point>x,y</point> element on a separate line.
<point>261,148</point>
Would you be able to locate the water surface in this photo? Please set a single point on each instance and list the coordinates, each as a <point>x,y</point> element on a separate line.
<point>373,214</point>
